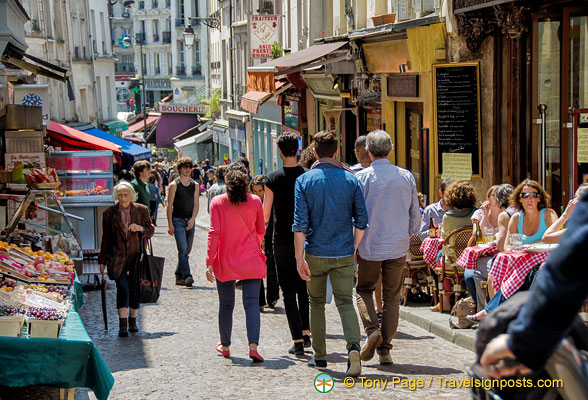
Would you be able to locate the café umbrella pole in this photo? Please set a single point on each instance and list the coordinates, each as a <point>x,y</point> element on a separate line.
<point>103,292</point>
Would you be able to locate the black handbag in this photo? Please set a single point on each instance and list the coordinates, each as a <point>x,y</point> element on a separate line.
<point>147,274</point>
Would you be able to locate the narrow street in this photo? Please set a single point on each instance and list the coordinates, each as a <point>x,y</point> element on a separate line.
<point>174,357</point>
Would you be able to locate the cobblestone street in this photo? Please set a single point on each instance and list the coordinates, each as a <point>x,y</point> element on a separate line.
<point>173,356</point>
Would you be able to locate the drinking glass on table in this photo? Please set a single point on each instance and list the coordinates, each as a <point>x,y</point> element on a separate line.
<point>516,242</point>
<point>488,235</point>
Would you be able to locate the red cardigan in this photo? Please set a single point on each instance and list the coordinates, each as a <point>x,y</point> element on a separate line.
<point>232,252</point>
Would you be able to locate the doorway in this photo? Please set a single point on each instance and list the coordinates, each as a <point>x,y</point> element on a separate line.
<point>414,143</point>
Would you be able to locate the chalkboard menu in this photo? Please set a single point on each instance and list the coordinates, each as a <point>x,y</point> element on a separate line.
<point>457,112</point>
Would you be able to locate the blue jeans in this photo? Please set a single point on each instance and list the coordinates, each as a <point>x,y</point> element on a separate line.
<point>468,276</point>
<point>495,301</point>
<point>226,300</point>
<point>184,241</point>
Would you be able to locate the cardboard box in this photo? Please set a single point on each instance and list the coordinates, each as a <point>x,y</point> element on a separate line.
<point>23,141</point>
<point>13,158</point>
<point>23,117</point>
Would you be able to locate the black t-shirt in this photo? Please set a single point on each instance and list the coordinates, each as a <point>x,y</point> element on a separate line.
<point>196,173</point>
<point>282,183</point>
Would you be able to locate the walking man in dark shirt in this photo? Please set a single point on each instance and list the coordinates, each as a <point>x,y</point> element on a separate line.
<point>182,209</point>
<point>279,192</point>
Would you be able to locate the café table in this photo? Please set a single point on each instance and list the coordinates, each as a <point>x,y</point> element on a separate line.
<point>470,255</point>
<point>69,361</point>
<point>510,269</point>
<point>430,248</point>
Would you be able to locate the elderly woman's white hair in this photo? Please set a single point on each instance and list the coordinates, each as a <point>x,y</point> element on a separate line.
<point>124,186</point>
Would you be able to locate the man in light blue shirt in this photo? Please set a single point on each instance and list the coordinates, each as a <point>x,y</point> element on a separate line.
<point>393,215</point>
<point>436,211</point>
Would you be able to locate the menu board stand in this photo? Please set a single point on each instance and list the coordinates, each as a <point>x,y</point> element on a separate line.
<point>456,102</point>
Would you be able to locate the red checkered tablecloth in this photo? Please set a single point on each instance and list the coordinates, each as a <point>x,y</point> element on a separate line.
<point>470,255</point>
<point>430,248</point>
<point>510,270</point>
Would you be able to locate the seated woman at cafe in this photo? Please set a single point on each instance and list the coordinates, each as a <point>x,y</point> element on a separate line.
<point>531,222</point>
<point>460,196</point>
<point>555,231</point>
<point>495,213</point>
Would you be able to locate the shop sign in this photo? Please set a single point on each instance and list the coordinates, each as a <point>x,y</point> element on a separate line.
<point>332,118</point>
<point>157,84</point>
<point>403,86</point>
<point>123,78</point>
<point>34,95</point>
<point>183,109</point>
<point>263,31</point>
<point>24,158</point>
<point>373,119</point>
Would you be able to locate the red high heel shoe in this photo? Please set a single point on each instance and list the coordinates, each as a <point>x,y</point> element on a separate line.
<point>225,353</point>
<point>254,355</point>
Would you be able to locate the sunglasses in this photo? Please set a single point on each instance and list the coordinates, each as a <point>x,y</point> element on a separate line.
<point>529,194</point>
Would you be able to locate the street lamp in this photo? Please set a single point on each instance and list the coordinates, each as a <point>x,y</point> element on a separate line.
<point>139,37</point>
<point>189,36</point>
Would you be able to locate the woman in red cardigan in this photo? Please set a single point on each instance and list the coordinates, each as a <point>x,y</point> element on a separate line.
<point>236,231</point>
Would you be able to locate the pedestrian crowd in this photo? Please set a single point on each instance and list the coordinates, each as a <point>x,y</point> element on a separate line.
<point>317,229</point>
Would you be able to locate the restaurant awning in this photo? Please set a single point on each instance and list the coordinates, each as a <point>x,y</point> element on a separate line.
<point>131,152</point>
<point>67,138</point>
<point>308,57</point>
<point>251,100</point>
<point>201,137</point>
<point>115,126</point>
<point>138,126</point>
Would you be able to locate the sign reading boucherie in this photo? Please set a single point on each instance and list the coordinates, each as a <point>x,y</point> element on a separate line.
<point>264,30</point>
<point>182,109</point>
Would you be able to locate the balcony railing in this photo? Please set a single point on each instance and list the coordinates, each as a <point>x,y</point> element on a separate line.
<point>180,22</point>
<point>166,37</point>
<point>155,37</point>
<point>124,67</point>
<point>181,70</point>
<point>197,70</point>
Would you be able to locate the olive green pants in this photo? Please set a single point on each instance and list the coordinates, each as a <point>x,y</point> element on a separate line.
<point>341,272</point>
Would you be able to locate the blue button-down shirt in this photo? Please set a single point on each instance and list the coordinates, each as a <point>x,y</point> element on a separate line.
<point>393,210</point>
<point>328,203</point>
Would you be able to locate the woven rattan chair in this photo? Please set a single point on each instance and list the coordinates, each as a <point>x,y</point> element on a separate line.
<point>454,245</point>
<point>417,273</point>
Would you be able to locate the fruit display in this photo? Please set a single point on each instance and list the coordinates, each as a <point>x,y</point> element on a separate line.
<point>35,266</point>
<point>8,310</point>
<point>41,175</point>
<point>47,314</point>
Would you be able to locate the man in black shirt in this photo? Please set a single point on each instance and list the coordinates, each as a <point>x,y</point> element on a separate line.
<point>279,192</point>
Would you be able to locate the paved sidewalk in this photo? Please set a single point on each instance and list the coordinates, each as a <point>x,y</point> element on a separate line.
<point>173,356</point>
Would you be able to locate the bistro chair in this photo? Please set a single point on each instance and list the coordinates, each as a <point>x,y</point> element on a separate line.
<point>449,271</point>
<point>417,274</point>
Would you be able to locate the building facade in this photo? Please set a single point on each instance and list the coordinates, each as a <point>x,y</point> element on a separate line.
<point>124,68</point>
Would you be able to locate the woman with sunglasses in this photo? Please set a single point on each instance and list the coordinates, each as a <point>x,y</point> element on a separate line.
<point>531,222</point>
<point>535,216</point>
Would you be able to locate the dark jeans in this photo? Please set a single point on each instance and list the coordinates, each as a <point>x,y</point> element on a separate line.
<point>294,291</point>
<point>273,290</point>
<point>126,296</point>
<point>184,240</point>
<point>226,299</point>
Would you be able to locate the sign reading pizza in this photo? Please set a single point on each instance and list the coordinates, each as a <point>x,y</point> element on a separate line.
<point>264,30</point>
<point>183,109</point>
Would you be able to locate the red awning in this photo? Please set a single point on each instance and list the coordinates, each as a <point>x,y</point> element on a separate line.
<point>138,126</point>
<point>251,100</point>
<point>71,139</point>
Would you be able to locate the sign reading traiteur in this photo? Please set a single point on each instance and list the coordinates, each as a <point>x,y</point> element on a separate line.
<point>264,30</point>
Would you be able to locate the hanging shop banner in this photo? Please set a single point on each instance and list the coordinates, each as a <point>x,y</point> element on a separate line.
<point>332,117</point>
<point>373,119</point>
<point>263,31</point>
<point>33,95</point>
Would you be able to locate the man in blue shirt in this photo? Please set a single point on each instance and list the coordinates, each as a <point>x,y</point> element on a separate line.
<point>393,208</point>
<point>329,203</point>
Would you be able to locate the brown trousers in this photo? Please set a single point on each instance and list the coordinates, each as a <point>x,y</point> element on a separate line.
<point>368,275</point>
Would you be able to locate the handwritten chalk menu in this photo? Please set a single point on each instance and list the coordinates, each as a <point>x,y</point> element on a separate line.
<point>457,112</point>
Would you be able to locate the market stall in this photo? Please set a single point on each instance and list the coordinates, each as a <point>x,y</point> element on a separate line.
<point>131,153</point>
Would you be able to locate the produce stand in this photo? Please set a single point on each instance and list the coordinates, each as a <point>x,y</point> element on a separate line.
<point>69,361</point>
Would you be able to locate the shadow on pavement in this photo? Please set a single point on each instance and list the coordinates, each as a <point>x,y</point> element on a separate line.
<point>402,335</point>
<point>275,364</point>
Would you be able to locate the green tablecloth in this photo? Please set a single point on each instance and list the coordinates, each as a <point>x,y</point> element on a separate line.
<point>67,362</point>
